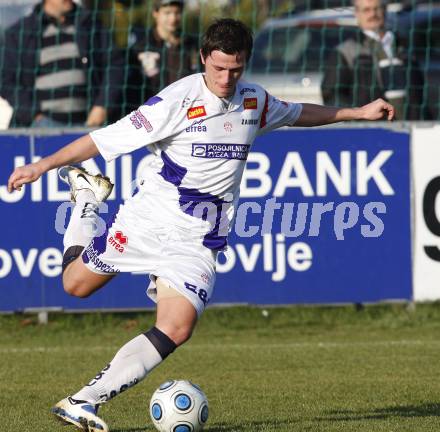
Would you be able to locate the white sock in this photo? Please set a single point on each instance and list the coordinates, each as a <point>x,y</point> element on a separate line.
<point>130,365</point>
<point>83,222</point>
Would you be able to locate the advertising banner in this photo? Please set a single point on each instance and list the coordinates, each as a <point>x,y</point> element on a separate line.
<point>324,218</point>
<point>426,167</point>
<point>31,247</point>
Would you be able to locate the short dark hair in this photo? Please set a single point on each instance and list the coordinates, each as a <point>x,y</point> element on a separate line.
<point>229,36</point>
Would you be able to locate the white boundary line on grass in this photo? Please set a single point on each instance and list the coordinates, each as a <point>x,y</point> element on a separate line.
<point>40,349</point>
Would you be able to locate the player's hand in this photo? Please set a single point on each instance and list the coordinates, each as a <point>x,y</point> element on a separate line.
<point>22,175</point>
<point>377,110</point>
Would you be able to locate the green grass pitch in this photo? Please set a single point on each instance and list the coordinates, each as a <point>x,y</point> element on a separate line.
<point>296,369</point>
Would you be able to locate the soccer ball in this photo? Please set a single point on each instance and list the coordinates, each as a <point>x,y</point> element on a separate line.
<point>179,406</point>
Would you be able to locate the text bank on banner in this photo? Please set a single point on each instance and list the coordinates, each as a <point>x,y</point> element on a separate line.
<point>324,218</point>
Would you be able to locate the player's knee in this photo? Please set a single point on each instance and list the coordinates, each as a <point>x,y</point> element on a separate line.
<point>75,287</point>
<point>179,334</point>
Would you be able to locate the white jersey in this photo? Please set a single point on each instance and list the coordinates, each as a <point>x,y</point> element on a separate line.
<point>201,143</point>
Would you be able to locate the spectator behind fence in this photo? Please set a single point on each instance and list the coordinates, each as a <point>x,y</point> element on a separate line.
<point>374,65</point>
<point>59,68</point>
<point>163,55</point>
<point>125,18</point>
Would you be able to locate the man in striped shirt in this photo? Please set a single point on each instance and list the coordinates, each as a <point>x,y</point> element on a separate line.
<point>55,73</point>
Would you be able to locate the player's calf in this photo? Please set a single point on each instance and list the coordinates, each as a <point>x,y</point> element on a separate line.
<point>79,281</point>
<point>87,191</point>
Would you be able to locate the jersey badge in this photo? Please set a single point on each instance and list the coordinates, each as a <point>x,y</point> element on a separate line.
<point>220,151</point>
<point>196,112</point>
<point>205,278</point>
<point>250,103</point>
<point>186,102</point>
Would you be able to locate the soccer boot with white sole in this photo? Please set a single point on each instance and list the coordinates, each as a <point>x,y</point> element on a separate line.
<point>78,179</point>
<point>81,414</point>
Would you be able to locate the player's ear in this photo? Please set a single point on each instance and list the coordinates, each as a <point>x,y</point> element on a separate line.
<point>202,59</point>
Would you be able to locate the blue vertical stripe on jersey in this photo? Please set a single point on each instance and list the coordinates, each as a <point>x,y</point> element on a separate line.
<point>190,198</point>
<point>171,171</point>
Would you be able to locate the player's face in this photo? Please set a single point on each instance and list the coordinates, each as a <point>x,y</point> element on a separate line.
<point>168,18</point>
<point>222,71</point>
<point>370,14</point>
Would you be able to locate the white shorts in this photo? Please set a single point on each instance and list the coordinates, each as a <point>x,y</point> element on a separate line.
<point>133,243</point>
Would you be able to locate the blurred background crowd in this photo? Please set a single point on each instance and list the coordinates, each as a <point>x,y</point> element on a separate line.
<point>67,63</point>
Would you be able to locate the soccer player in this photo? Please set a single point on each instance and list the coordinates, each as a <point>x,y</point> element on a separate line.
<point>200,130</point>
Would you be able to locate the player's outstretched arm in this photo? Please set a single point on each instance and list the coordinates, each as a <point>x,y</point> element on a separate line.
<point>317,115</point>
<point>77,151</point>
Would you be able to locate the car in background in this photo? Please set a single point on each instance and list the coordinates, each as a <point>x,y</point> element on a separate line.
<point>419,27</point>
<point>290,52</point>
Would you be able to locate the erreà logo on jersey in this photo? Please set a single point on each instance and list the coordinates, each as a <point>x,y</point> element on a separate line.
<point>118,241</point>
<point>250,103</point>
<point>195,112</point>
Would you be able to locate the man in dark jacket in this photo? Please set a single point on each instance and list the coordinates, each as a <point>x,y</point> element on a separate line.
<point>59,68</point>
<point>163,55</point>
<point>374,65</point>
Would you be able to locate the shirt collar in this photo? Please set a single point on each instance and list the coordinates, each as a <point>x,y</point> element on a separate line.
<point>387,38</point>
<point>218,104</point>
<point>387,41</point>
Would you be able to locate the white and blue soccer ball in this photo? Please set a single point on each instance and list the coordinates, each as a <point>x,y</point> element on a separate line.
<point>179,406</point>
